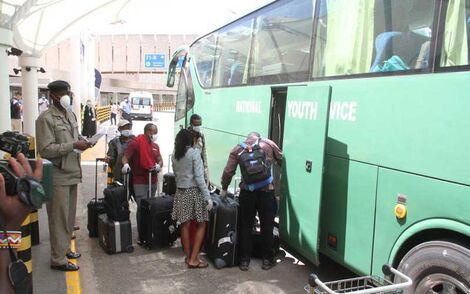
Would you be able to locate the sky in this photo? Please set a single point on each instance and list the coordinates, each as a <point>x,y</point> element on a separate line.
<point>177,17</point>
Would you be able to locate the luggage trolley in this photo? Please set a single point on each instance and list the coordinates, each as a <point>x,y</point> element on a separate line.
<point>361,285</point>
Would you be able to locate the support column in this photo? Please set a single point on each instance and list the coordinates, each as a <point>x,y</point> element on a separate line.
<point>75,77</point>
<point>6,41</point>
<point>29,73</point>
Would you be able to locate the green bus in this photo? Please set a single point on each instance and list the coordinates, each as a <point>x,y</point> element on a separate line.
<point>370,101</point>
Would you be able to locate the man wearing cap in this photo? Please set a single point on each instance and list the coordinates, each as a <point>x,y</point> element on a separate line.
<point>116,148</point>
<point>58,140</point>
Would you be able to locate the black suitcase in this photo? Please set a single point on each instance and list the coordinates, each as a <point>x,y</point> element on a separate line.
<point>95,207</point>
<point>169,184</point>
<point>222,232</point>
<point>116,201</point>
<point>257,242</point>
<point>157,228</point>
<point>114,236</point>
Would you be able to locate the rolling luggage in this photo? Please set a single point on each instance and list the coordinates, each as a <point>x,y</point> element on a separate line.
<point>222,232</point>
<point>169,184</point>
<point>114,236</point>
<point>116,201</point>
<point>157,228</point>
<point>95,207</point>
<point>257,241</point>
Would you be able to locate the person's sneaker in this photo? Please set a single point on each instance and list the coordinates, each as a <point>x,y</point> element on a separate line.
<point>244,265</point>
<point>268,264</point>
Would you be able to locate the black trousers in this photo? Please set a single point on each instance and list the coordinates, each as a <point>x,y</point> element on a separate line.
<point>113,118</point>
<point>265,204</point>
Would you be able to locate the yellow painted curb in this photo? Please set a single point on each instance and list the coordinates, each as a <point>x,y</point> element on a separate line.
<point>72,279</point>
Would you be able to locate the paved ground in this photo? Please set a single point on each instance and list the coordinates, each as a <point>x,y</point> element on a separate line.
<point>160,271</point>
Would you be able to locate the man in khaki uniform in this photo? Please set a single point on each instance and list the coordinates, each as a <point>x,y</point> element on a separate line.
<point>58,140</point>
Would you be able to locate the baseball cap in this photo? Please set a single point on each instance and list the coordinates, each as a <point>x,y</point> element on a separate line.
<point>123,122</point>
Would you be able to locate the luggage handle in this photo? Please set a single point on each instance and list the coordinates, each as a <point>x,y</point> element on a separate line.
<point>96,176</point>
<point>169,162</point>
<point>153,169</point>
<point>126,183</point>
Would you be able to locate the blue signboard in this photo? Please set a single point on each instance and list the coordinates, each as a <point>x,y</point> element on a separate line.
<point>154,60</point>
<point>180,61</point>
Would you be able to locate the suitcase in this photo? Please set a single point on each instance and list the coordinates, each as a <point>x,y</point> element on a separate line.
<point>257,242</point>
<point>222,232</point>
<point>116,201</point>
<point>157,228</point>
<point>169,184</point>
<point>114,236</point>
<point>95,207</point>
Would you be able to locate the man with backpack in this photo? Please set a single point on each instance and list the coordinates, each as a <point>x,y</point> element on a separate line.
<point>255,157</point>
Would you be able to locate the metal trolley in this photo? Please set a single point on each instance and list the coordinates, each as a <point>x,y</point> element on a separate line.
<point>361,285</point>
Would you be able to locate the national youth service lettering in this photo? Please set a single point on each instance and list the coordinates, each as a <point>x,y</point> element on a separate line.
<point>302,109</point>
<point>248,107</point>
<point>343,110</point>
<point>308,110</point>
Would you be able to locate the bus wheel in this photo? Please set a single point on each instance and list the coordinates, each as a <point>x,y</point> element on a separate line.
<point>437,267</point>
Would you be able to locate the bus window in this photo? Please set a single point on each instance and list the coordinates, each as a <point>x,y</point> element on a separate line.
<point>204,53</point>
<point>233,48</point>
<point>456,43</point>
<point>281,46</point>
<point>362,36</point>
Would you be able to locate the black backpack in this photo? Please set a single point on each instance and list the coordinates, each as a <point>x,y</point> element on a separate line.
<point>256,170</point>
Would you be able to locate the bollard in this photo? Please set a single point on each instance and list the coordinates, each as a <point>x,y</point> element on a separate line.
<point>24,252</point>
<point>34,218</point>
<point>109,177</point>
<point>34,214</point>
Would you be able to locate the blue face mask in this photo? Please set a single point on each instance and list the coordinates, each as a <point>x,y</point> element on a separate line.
<point>126,133</point>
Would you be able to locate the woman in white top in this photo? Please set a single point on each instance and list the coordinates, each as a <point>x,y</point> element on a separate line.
<point>192,199</point>
<point>114,111</point>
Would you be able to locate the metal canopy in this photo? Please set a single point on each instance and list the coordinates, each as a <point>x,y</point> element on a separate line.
<point>37,24</point>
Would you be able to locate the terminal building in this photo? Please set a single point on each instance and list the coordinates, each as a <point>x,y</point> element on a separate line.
<point>124,63</point>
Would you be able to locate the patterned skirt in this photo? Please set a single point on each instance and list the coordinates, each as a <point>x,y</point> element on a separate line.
<point>189,204</point>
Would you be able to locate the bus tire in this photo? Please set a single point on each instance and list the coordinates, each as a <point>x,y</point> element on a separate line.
<point>437,267</point>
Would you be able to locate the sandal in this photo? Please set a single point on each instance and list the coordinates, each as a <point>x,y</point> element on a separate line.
<point>199,265</point>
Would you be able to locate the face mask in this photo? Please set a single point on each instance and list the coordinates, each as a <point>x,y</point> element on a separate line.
<point>89,104</point>
<point>198,129</point>
<point>126,133</point>
<point>154,137</point>
<point>65,102</point>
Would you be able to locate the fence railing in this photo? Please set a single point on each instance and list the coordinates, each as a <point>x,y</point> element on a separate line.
<point>165,106</point>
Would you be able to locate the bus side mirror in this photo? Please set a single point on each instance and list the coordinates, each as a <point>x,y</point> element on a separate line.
<point>178,59</point>
<point>170,82</point>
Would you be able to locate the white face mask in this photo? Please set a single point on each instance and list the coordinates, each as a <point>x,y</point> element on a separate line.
<point>126,133</point>
<point>198,129</point>
<point>154,137</point>
<point>65,102</point>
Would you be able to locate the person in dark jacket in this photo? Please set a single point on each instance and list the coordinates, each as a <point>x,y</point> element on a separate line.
<point>117,147</point>
<point>89,120</point>
<point>254,199</point>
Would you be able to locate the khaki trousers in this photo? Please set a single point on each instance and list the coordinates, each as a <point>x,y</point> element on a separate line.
<point>61,211</point>
<point>16,125</point>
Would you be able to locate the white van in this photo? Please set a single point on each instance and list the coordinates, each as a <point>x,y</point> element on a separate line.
<point>141,105</point>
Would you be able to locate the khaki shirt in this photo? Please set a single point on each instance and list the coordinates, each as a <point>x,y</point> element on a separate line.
<point>56,132</point>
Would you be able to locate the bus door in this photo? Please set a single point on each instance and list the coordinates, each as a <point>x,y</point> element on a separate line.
<point>276,130</point>
<point>304,137</point>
